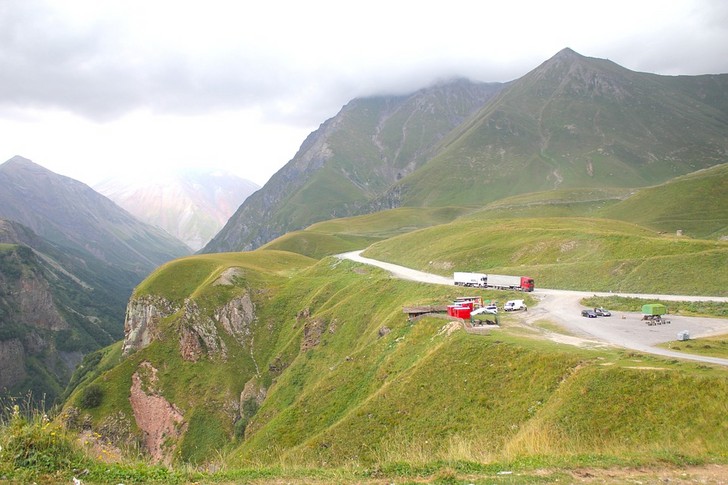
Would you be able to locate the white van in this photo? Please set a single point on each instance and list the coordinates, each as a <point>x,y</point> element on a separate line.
<point>512,305</point>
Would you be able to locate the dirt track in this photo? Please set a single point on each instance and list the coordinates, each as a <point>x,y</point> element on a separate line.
<point>621,329</point>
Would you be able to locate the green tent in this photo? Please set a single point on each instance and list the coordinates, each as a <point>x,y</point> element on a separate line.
<point>654,309</point>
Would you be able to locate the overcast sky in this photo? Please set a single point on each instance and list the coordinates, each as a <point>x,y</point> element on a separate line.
<point>90,89</point>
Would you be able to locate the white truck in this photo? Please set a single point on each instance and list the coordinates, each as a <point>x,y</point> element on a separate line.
<point>497,281</point>
<point>513,305</point>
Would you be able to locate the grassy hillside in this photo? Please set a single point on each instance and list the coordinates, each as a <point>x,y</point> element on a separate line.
<point>697,204</point>
<point>554,203</point>
<point>351,384</point>
<point>352,233</point>
<point>569,253</point>
<point>203,390</point>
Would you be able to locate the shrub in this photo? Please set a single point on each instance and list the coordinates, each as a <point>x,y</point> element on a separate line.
<point>91,397</point>
<point>29,447</point>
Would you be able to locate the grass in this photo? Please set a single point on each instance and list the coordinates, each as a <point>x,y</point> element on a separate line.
<point>343,395</point>
<point>352,233</point>
<point>692,203</point>
<point>373,389</point>
<point>568,253</point>
<point>716,346</point>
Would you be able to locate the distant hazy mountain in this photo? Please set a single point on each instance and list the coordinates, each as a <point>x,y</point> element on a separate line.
<point>572,122</point>
<point>71,214</point>
<point>192,206</point>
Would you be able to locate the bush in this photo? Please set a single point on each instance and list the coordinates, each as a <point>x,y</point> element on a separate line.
<point>29,447</point>
<point>91,397</point>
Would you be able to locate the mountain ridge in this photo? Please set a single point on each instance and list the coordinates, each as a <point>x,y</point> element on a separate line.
<point>337,173</point>
<point>573,121</point>
<point>72,214</point>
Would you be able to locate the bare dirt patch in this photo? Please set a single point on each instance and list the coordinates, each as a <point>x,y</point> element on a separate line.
<point>160,421</point>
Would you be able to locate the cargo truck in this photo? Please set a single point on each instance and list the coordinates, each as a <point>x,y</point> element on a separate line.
<point>501,282</point>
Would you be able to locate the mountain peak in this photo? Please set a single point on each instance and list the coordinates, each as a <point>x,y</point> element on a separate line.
<point>567,53</point>
<point>17,160</point>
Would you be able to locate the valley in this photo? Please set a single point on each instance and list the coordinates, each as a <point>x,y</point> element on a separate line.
<point>281,352</point>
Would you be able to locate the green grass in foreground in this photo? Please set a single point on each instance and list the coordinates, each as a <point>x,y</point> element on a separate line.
<point>34,449</point>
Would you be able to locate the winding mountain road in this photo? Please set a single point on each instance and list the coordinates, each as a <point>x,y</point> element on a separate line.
<point>623,329</point>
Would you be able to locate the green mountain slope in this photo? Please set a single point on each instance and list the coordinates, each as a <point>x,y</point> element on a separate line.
<point>570,253</point>
<point>574,122</point>
<point>351,160</point>
<point>577,122</point>
<point>329,372</point>
<point>696,204</point>
<point>80,256</point>
<point>357,232</point>
<point>71,214</point>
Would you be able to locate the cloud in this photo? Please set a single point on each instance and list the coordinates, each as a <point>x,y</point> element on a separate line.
<point>237,78</point>
<point>295,60</point>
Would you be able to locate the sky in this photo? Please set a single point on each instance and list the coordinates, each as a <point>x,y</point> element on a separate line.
<point>103,88</point>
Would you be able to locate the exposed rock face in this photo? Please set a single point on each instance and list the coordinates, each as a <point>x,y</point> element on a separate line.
<point>312,332</point>
<point>253,390</point>
<point>29,318</point>
<point>236,317</point>
<point>142,321</point>
<point>198,333</point>
<point>37,306</point>
<point>161,422</point>
<point>12,358</point>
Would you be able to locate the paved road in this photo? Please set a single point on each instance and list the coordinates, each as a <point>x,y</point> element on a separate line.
<point>622,329</point>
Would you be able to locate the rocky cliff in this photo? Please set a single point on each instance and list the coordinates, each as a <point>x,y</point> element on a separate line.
<point>198,334</point>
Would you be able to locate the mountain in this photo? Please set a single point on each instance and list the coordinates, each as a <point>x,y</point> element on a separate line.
<point>572,122</point>
<point>71,214</point>
<point>54,308</point>
<point>69,259</point>
<point>578,122</point>
<point>191,206</point>
<point>351,160</point>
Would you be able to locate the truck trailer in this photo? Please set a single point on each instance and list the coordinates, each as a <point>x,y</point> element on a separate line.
<point>501,282</point>
<point>470,279</point>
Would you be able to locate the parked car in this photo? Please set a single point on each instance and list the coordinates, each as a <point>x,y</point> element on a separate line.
<point>602,312</point>
<point>492,309</point>
<point>589,313</point>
